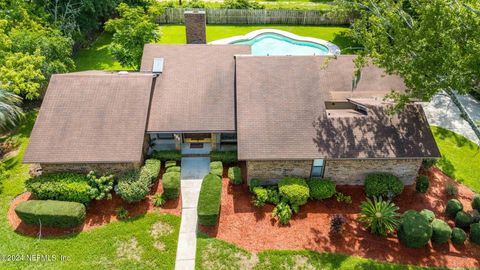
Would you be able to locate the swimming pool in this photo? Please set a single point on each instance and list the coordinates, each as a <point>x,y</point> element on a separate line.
<point>277,42</point>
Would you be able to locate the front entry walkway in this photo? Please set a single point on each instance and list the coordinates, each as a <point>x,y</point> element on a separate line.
<point>193,171</point>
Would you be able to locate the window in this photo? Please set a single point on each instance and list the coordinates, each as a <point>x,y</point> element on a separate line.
<point>165,136</point>
<point>318,167</point>
<point>228,137</point>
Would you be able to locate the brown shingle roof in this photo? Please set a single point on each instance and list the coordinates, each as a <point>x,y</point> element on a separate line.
<point>281,112</point>
<point>91,117</point>
<point>195,92</point>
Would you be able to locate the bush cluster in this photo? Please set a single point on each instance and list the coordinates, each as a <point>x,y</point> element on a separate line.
<point>414,231</point>
<point>383,184</point>
<point>441,232</point>
<point>216,167</point>
<point>235,175</point>
<point>422,184</point>
<point>166,155</point>
<point>71,187</point>
<point>321,189</point>
<point>51,213</point>
<point>227,157</point>
<point>171,185</point>
<point>295,190</point>
<point>209,200</point>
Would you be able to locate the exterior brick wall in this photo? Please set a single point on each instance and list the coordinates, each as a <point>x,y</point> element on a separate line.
<point>102,168</point>
<point>272,171</point>
<point>353,172</point>
<point>195,27</point>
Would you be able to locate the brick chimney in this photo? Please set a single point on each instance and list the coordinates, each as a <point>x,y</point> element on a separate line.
<point>195,26</point>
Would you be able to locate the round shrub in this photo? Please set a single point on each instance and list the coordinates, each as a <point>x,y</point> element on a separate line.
<point>441,232</point>
<point>475,233</point>
<point>422,184</point>
<point>294,189</point>
<point>173,169</point>
<point>463,219</point>
<point>171,185</point>
<point>216,167</point>
<point>51,213</point>
<point>321,189</point>
<point>429,215</point>
<point>414,231</point>
<point>458,236</point>
<point>476,202</point>
<point>383,184</point>
<point>453,207</point>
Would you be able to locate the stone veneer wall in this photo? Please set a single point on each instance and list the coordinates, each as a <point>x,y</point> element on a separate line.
<point>353,172</point>
<point>100,168</point>
<point>195,27</point>
<point>273,170</point>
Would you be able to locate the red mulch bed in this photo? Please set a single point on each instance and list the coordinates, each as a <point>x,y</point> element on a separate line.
<point>98,213</point>
<point>254,230</point>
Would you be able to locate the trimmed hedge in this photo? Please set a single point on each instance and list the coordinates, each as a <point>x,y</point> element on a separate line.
<point>463,219</point>
<point>51,213</point>
<point>226,157</point>
<point>174,169</point>
<point>414,231</point>
<point>458,236</point>
<point>209,200</point>
<point>235,175</point>
<point>171,185</point>
<point>294,189</point>
<point>476,202</point>
<point>166,155</point>
<point>134,185</point>
<point>152,166</point>
<point>453,207</point>
<point>383,184</point>
<point>429,215</point>
<point>475,233</point>
<point>321,189</point>
<point>216,167</point>
<point>441,232</point>
<point>422,184</point>
<point>71,187</point>
<point>170,163</point>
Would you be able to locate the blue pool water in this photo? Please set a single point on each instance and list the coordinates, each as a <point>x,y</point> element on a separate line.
<point>275,44</point>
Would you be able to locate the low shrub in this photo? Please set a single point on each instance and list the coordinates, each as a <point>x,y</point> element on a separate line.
<point>441,232</point>
<point>336,224</point>
<point>234,175</point>
<point>463,219</point>
<point>451,190</point>
<point>295,190</point>
<point>122,213</point>
<point>170,163</point>
<point>100,188</point>
<point>134,186</point>
<point>166,155</point>
<point>153,167</point>
<point>171,185</point>
<point>422,184</point>
<point>321,189</point>
<point>428,163</point>
<point>453,207</point>
<point>475,215</point>
<point>340,197</point>
<point>260,196</point>
<point>227,157</point>
<point>414,230</point>
<point>241,4</point>
<point>283,212</point>
<point>71,187</point>
<point>159,200</point>
<point>383,184</point>
<point>253,183</point>
<point>216,167</point>
<point>476,202</point>
<point>458,236</point>
<point>273,196</point>
<point>475,233</point>
<point>173,169</point>
<point>429,215</point>
<point>209,200</point>
<point>51,213</point>
<point>380,216</point>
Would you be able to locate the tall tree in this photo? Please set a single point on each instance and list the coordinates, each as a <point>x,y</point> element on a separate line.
<point>434,45</point>
<point>10,112</point>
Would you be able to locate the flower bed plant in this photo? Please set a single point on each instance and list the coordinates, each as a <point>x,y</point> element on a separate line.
<point>209,200</point>
<point>51,213</point>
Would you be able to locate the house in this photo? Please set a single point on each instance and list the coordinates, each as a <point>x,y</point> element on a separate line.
<point>306,116</point>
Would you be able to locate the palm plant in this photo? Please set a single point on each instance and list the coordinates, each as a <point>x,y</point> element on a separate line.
<point>10,112</point>
<point>379,215</point>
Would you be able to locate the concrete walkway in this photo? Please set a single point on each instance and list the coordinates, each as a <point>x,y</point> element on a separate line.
<point>193,171</point>
<point>442,112</point>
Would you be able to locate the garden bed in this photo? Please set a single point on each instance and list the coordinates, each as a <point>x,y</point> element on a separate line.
<point>254,230</point>
<point>98,212</point>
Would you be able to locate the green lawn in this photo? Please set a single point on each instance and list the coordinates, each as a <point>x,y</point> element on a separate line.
<point>96,57</point>
<point>217,254</point>
<point>460,157</point>
<point>118,245</point>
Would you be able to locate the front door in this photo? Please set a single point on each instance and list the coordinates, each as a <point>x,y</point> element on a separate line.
<point>197,137</point>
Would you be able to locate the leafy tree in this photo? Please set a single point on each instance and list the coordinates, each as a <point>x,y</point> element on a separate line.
<point>131,31</point>
<point>10,112</point>
<point>434,45</point>
<point>242,4</point>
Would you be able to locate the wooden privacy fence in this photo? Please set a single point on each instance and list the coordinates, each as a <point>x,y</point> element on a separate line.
<point>259,16</point>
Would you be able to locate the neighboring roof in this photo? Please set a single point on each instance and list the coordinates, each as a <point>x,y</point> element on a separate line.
<point>281,112</point>
<point>90,117</point>
<point>196,90</point>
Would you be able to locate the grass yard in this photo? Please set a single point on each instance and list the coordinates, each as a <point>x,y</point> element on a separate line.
<point>460,157</point>
<point>97,58</point>
<point>147,242</point>
<point>217,254</point>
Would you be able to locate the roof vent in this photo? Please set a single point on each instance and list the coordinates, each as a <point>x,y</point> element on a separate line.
<point>157,65</point>
<point>123,72</point>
